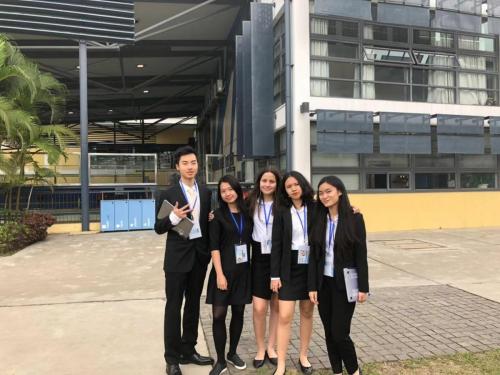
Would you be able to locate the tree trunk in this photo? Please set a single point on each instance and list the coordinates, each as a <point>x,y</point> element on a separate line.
<point>18,198</point>
<point>29,199</point>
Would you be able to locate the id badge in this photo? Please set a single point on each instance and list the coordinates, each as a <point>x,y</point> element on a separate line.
<point>265,246</point>
<point>195,231</point>
<point>240,253</point>
<point>303,255</point>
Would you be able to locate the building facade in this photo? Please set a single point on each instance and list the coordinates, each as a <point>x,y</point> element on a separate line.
<point>400,99</point>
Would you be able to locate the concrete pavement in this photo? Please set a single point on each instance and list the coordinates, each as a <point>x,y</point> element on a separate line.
<point>93,304</point>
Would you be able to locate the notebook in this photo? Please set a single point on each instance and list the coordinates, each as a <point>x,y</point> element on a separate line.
<point>351,284</point>
<point>183,228</point>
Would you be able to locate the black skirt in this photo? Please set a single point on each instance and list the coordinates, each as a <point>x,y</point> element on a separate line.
<point>261,272</point>
<point>295,289</point>
<point>239,288</point>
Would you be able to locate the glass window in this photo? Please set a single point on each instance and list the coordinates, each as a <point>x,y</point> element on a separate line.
<point>334,69</point>
<point>334,27</point>
<point>434,161</point>
<point>477,161</point>
<point>387,55</point>
<point>399,180</point>
<point>334,49</point>
<point>342,89</point>
<point>351,181</point>
<point>477,180</point>
<point>482,63</point>
<point>386,161</point>
<point>435,59</point>
<point>435,181</point>
<point>334,160</point>
<point>433,38</point>
<point>391,92</point>
<point>376,181</point>
<point>386,33</point>
<point>433,95</point>
<point>433,77</point>
<point>476,43</point>
<point>390,74</point>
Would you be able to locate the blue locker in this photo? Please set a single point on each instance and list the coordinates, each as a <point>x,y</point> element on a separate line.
<point>134,214</point>
<point>121,215</point>
<point>107,216</point>
<point>148,213</point>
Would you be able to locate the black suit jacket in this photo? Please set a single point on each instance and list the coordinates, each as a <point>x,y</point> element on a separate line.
<point>281,255</point>
<point>357,259</point>
<point>180,253</point>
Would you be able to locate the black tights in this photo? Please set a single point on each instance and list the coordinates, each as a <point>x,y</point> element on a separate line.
<point>219,329</point>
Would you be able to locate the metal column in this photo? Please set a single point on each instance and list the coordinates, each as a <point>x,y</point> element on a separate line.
<point>288,86</point>
<point>84,145</point>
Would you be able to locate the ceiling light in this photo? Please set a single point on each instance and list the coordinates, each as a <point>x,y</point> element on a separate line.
<point>78,67</point>
<point>71,113</point>
<point>146,91</point>
<point>140,66</point>
<point>110,111</point>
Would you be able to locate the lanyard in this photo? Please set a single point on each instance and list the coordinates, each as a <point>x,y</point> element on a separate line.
<point>303,224</point>
<point>238,227</point>
<point>331,226</point>
<point>267,218</point>
<point>185,195</point>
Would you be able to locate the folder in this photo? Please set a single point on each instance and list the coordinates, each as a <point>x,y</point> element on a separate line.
<point>351,284</point>
<point>185,225</point>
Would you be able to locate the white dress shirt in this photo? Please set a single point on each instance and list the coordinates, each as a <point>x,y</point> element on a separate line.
<point>329,259</point>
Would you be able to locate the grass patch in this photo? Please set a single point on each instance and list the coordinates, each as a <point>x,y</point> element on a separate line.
<point>486,363</point>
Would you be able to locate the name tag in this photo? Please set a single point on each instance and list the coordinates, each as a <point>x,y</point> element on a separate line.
<point>303,255</point>
<point>240,253</point>
<point>265,246</point>
<point>195,231</point>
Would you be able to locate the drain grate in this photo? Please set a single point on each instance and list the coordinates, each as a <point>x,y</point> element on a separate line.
<point>409,244</point>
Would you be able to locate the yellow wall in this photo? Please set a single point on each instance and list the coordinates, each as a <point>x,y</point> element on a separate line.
<point>395,212</point>
<point>175,136</point>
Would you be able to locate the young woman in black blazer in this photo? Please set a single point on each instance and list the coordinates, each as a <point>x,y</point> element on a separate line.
<point>338,241</point>
<point>229,282</point>
<point>263,203</point>
<point>289,264</point>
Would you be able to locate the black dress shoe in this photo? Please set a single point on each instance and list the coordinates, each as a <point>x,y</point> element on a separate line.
<point>258,363</point>
<point>272,360</point>
<point>173,370</point>
<point>196,359</point>
<point>307,370</point>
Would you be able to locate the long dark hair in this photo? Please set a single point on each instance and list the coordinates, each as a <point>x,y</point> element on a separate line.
<point>307,190</point>
<point>235,184</point>
<point>256,195</point>
<point>345,236</point>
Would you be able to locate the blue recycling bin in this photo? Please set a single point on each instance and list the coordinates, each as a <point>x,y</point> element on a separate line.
<point>134,214</point>
<point>121,215</point>
<point>107,216</point>
<point>148,213</point>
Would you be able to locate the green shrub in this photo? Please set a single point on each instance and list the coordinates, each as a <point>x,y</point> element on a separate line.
<point>30,228</point>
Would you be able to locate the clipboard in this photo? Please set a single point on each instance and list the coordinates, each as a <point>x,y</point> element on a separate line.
<point>351,284</point>
<point>185,225</point>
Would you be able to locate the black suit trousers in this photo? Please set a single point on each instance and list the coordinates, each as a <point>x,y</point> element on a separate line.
<point>177,286</point>
<point>336,314</point>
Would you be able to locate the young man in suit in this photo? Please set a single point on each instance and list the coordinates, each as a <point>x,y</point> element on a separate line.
<point>186,261</point>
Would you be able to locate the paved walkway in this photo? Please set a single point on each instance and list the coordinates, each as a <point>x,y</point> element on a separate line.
<point>93,304</point>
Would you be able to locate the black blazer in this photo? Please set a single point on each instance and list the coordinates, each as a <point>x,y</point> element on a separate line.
<point>180,253</point>
<point>223,237</point>
<point>281,255</point>
<point>357,260</point>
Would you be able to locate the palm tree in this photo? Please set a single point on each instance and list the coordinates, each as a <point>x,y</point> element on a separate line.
<point>26,93</point>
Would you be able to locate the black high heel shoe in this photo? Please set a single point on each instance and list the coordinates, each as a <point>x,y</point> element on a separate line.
<point>258,363</point>
<point>306,370</point>
<point>273,360</point>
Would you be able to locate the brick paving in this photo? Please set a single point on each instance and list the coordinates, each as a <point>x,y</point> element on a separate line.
<point>396,324</point>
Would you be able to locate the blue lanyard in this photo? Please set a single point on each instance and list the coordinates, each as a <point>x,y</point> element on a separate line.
<point>267,218</point>
<point>238,227</point>
<point>303,223</point>
<point>185,195</point>
<point>331,226</point>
